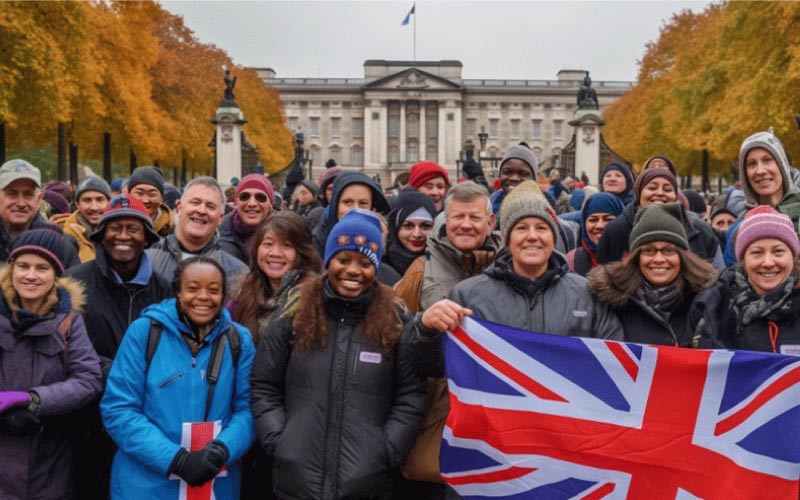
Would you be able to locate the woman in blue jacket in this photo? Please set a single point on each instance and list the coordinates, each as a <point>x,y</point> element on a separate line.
<point>160,380</point>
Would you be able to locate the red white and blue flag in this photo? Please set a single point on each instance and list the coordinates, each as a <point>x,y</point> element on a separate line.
<point>407,19</point>
<point>535,416</point>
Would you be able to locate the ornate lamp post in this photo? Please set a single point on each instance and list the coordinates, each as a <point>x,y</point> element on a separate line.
<point>482,136</point>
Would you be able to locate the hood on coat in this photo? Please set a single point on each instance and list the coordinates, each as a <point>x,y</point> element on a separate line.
<point>67,294</point>
<point>600,284</point>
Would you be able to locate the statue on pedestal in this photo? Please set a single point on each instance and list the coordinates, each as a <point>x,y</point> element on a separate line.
<point>229,85</point>
<point>587,96</point>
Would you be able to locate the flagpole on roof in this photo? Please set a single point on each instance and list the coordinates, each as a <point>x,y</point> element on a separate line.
<point>414,8</point>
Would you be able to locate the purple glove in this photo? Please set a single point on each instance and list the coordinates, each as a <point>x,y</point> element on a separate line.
<point>13,399</point>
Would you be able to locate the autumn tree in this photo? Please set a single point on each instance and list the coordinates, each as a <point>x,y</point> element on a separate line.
<point>710,80</point>
<point>128,68</point>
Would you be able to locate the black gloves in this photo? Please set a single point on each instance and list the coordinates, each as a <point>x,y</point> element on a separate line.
<point>199,467</point>
<point>19,422</point>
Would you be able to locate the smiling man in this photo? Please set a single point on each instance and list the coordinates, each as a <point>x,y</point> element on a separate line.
<point>200,212</point>
<point>147,185</point>
<point>91,200</point>
<point>119,283</point>
<point>519,165</point>
<point>20,199</point>
<point>252,207</point>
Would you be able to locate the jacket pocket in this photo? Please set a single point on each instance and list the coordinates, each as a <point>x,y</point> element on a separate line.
<point>50,357</point>
<point>168,380</point>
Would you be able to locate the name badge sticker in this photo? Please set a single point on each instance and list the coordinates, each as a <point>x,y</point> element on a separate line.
<point>790,349</point>
<point>373,357</point>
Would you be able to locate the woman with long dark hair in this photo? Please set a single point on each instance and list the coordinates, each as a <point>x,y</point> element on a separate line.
<point>334,397</point>
<point>281,256</point>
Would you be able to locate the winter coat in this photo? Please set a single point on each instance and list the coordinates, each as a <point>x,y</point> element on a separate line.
<point>557,303</point>
<point>74,227</point>
<point>164,223</point>
<point>65,375</point>
<point>235,243</point>
<point>338,419</point>
<point>144,408</point>
<point>115,304</point>
<point>717,325</point>
<point>640,321</point>
<point>613,245</point>
<point>580,261</point>
<point>165,255</point>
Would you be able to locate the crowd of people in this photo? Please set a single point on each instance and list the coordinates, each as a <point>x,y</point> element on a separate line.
<point>155,339</point>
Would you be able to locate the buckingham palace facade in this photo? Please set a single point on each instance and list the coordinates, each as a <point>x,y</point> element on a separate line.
<point>402,112</point>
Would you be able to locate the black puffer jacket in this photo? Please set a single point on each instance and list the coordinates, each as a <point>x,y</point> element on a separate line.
<point>716,325</point>
<point>338,419</point>
<point>112,305</point>
<point>642,323</point>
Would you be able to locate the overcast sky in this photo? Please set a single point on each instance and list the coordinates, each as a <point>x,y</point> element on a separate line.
<point>498,39</point>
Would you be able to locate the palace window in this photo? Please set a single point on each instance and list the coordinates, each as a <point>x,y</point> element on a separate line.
<point>336,127</point>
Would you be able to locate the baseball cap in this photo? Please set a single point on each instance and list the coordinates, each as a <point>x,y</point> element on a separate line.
<point>13,170</point>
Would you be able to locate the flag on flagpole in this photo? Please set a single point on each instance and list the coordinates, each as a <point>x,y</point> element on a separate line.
<point>408,16</point>
<point>545,416</point>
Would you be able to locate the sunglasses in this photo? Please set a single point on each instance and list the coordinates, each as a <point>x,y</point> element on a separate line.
<point>245,196</point>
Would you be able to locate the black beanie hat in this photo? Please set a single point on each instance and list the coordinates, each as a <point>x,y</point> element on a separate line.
<point>46,243</point>
<point>150,176</point>
<point>659,222</point>
<point>406,203</point>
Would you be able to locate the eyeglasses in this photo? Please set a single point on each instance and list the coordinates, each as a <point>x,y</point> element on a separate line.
<point>667,251</point>
<point>245,196</point>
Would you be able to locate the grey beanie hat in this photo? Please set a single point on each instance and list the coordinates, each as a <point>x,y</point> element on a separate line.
<point>524,154</point>
<point>526,200</point>
<point>659,222</point>
<point>93,183</point>
<point>150,176</point>
<point>771,143</point>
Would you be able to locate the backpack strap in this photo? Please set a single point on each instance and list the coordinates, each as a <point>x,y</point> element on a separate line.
<point>231,336</point>
<point>153,338</point>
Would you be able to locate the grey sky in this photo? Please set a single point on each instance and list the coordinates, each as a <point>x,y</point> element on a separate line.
<point>500,39</point>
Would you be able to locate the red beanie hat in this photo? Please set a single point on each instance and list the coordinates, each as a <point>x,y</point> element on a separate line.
<point>256,181</point>
<point>424,171</point>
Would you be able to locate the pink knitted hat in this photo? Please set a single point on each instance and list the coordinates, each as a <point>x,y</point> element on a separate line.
<point>765,222</point>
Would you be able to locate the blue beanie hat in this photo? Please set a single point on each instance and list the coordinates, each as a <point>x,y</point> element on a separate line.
<point>599,203</point>
<point>359,230</point>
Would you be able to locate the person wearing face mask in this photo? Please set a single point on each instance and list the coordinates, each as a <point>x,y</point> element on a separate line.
<point>652,289</point>
<point>755,304</point>
<point>598,211</point>
<point>409,225</point>
<point>182,363</point>
<point>334,398</point>
<point>653,186</point>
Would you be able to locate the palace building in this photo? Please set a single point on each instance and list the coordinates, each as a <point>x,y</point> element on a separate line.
<point>401,112</point>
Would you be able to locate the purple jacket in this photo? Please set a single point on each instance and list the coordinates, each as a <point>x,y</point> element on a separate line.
<point>32,358</point>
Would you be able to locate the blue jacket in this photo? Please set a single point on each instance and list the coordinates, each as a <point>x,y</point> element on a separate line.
<point>143,410</point>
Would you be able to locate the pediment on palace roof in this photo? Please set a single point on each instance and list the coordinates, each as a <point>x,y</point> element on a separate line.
<point>412,79</point>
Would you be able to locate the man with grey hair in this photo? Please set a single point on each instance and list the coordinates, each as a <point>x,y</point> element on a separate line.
<point>20,199</point>
<point>461,244</point>
<point>200,211</point>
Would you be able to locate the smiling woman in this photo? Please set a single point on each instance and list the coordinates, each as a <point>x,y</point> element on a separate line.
<point>755,304</point>
<point>343,342</point>
<point>652,289</point>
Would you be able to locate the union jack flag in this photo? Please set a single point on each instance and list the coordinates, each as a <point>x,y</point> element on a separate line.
<point>535,416</point>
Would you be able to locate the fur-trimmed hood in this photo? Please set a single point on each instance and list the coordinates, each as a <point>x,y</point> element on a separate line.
<point>67,294</point>
<point>601,285</point>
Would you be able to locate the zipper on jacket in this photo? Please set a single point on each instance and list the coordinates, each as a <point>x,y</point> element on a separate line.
<point>170,380</point>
